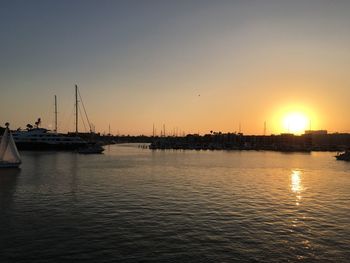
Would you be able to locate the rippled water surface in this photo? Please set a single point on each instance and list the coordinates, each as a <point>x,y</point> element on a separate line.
<point>137,205</point>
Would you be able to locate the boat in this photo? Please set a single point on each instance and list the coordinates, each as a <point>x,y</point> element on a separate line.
<point>43,139</point>
<point>91,149</point>
<point>9,156</point>
<point>345,156</point>
<point>93,146</point>
<point>37,138</point>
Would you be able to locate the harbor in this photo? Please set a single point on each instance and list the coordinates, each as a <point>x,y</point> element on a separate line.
<point>174,131</point>
<point>232,141</point>
<point>43,139</point>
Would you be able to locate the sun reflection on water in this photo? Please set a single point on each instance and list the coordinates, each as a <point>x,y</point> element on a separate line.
<point>296,185</point>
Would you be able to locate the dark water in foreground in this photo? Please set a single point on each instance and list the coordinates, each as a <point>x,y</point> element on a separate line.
<point>133,205</point>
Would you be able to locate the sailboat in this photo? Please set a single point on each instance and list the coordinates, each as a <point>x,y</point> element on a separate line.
<point>91,147</point>
<point>9,156</point>
<point>37,138</point>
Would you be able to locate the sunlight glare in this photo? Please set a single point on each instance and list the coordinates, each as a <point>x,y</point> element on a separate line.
<point>295,122</point>
<point>295,181</point>
<point>296,185</point>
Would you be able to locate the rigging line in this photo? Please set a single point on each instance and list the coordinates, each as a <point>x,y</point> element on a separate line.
<point>66,124</point>
<point>82,118</point>
<point>62,121</point>
<point>87,118</point>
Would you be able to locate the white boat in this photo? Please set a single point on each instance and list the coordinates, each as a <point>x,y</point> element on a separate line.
<point>37,138</point>
<point>43,139</point>
<point>9,156</point>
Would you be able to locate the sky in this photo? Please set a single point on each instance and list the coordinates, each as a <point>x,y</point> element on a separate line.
<point>194,66</point>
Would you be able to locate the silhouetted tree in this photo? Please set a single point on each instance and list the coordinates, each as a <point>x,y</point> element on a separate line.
<point>37,123</point>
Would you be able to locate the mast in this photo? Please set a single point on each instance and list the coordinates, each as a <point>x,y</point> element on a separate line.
<point>55,113</point>
<point>76,109</point>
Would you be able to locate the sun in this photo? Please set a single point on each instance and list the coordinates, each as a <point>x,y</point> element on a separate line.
<point>295,122</point>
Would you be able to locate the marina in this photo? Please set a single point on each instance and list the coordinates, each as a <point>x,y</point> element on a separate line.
<point>174,131</point>
<point>306,142</point>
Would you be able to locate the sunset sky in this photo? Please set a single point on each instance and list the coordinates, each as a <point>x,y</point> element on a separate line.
<point>194,66</point>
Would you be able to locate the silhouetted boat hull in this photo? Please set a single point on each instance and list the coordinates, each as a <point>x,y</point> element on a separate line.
<point>41,146</point>
<point>91,149</point>
<point>345,156</point>
<point>9,165</point>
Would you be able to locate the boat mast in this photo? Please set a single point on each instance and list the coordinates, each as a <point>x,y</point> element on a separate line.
<point>55,113</point>
<point>76,109</point>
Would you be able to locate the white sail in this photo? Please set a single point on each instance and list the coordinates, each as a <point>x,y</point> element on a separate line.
<point>3,144</point>
<point>8,149</point>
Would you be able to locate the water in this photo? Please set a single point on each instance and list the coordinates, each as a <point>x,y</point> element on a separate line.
<point>133,205</point>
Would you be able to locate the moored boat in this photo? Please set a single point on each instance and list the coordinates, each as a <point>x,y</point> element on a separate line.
<point>9,156</point>
<point>91,149</point>
<point>43,139</point>
<point>345,156</point>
